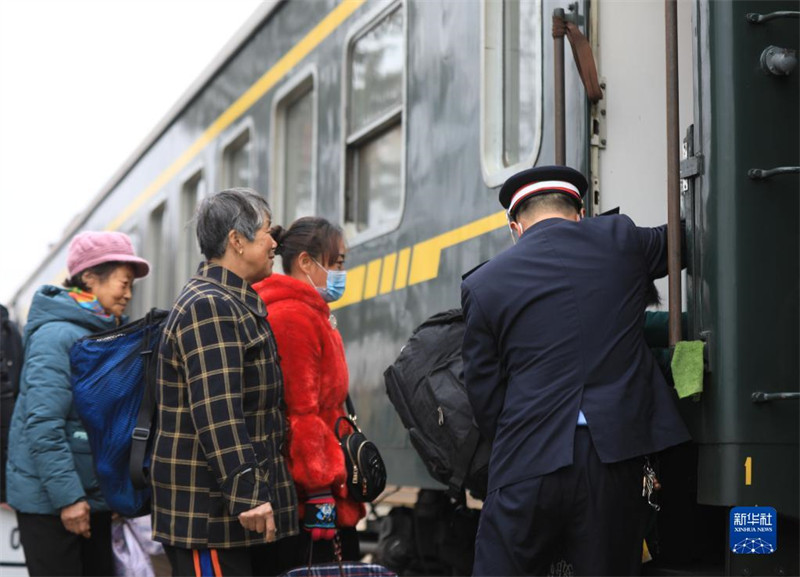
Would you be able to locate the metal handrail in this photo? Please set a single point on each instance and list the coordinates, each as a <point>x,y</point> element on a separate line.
<point>673,173</point>
<point>763,173</point>
<point>755,18</point>
<point>559,93</point>
<point>762,397</point>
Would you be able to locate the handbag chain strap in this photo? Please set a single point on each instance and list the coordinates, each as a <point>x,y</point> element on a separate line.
<point>337,553</point>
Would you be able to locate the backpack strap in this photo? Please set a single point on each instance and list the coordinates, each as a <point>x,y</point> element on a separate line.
<point>455,488</point>
<point>140,437</point>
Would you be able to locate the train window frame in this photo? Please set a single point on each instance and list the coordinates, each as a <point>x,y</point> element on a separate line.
<point>161,290</point>
<point>302,83</point>
<point>493,168</point>
<point>191,177</point>
<point>136,307</point>
<point>245,127</point>
<point>376,128</point>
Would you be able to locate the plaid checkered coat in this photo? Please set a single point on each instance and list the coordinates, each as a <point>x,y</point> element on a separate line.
<point>218,446</point>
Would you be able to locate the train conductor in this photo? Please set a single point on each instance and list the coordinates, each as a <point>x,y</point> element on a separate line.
<point>560,378</point>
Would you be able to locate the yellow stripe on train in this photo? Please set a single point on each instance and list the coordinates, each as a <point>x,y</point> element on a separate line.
<point>257,90</point>
<point>269,79</point>
<point>394,271</point>
<point>378,276</point>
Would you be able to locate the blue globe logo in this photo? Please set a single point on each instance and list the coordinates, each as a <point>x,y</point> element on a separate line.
<point>753,546</point>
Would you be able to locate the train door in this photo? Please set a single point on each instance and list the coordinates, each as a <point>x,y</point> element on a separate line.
<point>631,167</point>
<point>628,166</point>
<point>736,92</point>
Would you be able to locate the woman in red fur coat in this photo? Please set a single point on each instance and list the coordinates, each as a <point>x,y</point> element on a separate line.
<point>315,380</point>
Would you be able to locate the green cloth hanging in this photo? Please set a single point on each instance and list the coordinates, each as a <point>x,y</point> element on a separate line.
<point>687,368</point>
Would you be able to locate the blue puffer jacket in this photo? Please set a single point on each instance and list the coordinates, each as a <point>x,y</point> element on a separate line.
<point>49,460</point>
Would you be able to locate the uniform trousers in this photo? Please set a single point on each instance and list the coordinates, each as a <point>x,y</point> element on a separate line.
<point>269,559</point>
<point>52,550</point>
<point>589,514</point>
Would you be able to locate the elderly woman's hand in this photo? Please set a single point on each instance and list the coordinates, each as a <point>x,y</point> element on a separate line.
<point>75,518</point>
<point>260,519</point>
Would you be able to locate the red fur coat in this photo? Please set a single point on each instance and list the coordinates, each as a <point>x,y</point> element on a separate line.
<point>315,387</point>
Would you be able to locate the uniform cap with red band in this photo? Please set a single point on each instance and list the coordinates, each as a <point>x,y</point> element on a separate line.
<point>543,180</point>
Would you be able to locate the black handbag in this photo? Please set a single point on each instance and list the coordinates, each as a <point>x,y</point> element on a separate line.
<point>366,473</point>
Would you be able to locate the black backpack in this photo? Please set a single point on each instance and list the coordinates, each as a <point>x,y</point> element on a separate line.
<point>426,386</point>
<point>11,357</point>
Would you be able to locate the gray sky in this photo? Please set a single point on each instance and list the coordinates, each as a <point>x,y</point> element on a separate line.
<point>82,82</point>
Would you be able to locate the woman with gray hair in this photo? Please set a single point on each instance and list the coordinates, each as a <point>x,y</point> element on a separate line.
<point>222,493</point>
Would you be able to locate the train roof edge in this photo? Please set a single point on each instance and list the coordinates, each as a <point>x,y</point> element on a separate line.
<point>228,51</point>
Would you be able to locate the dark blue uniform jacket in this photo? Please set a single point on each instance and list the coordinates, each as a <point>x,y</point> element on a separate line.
<point>554,326</point>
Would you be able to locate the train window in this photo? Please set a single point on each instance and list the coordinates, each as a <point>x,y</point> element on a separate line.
<point>294,151</point>
<point>376,72</point>
<point>237,161</point>
<point>159,292</point>
<point>511,106</point>
<point>375,95</point>
<point>136,308</point>
<point>376,172</point>
<point>189,256</point>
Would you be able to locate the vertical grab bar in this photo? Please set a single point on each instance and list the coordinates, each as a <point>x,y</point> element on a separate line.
<point>673,173</point>
<point>558,86</point>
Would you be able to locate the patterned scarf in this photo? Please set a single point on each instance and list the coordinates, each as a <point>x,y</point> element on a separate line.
<point>88,301</point>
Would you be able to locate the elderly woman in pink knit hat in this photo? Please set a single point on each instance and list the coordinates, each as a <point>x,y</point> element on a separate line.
<point>64,523</point>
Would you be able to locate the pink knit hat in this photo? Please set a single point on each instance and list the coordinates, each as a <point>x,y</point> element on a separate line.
<point>89,249</point>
